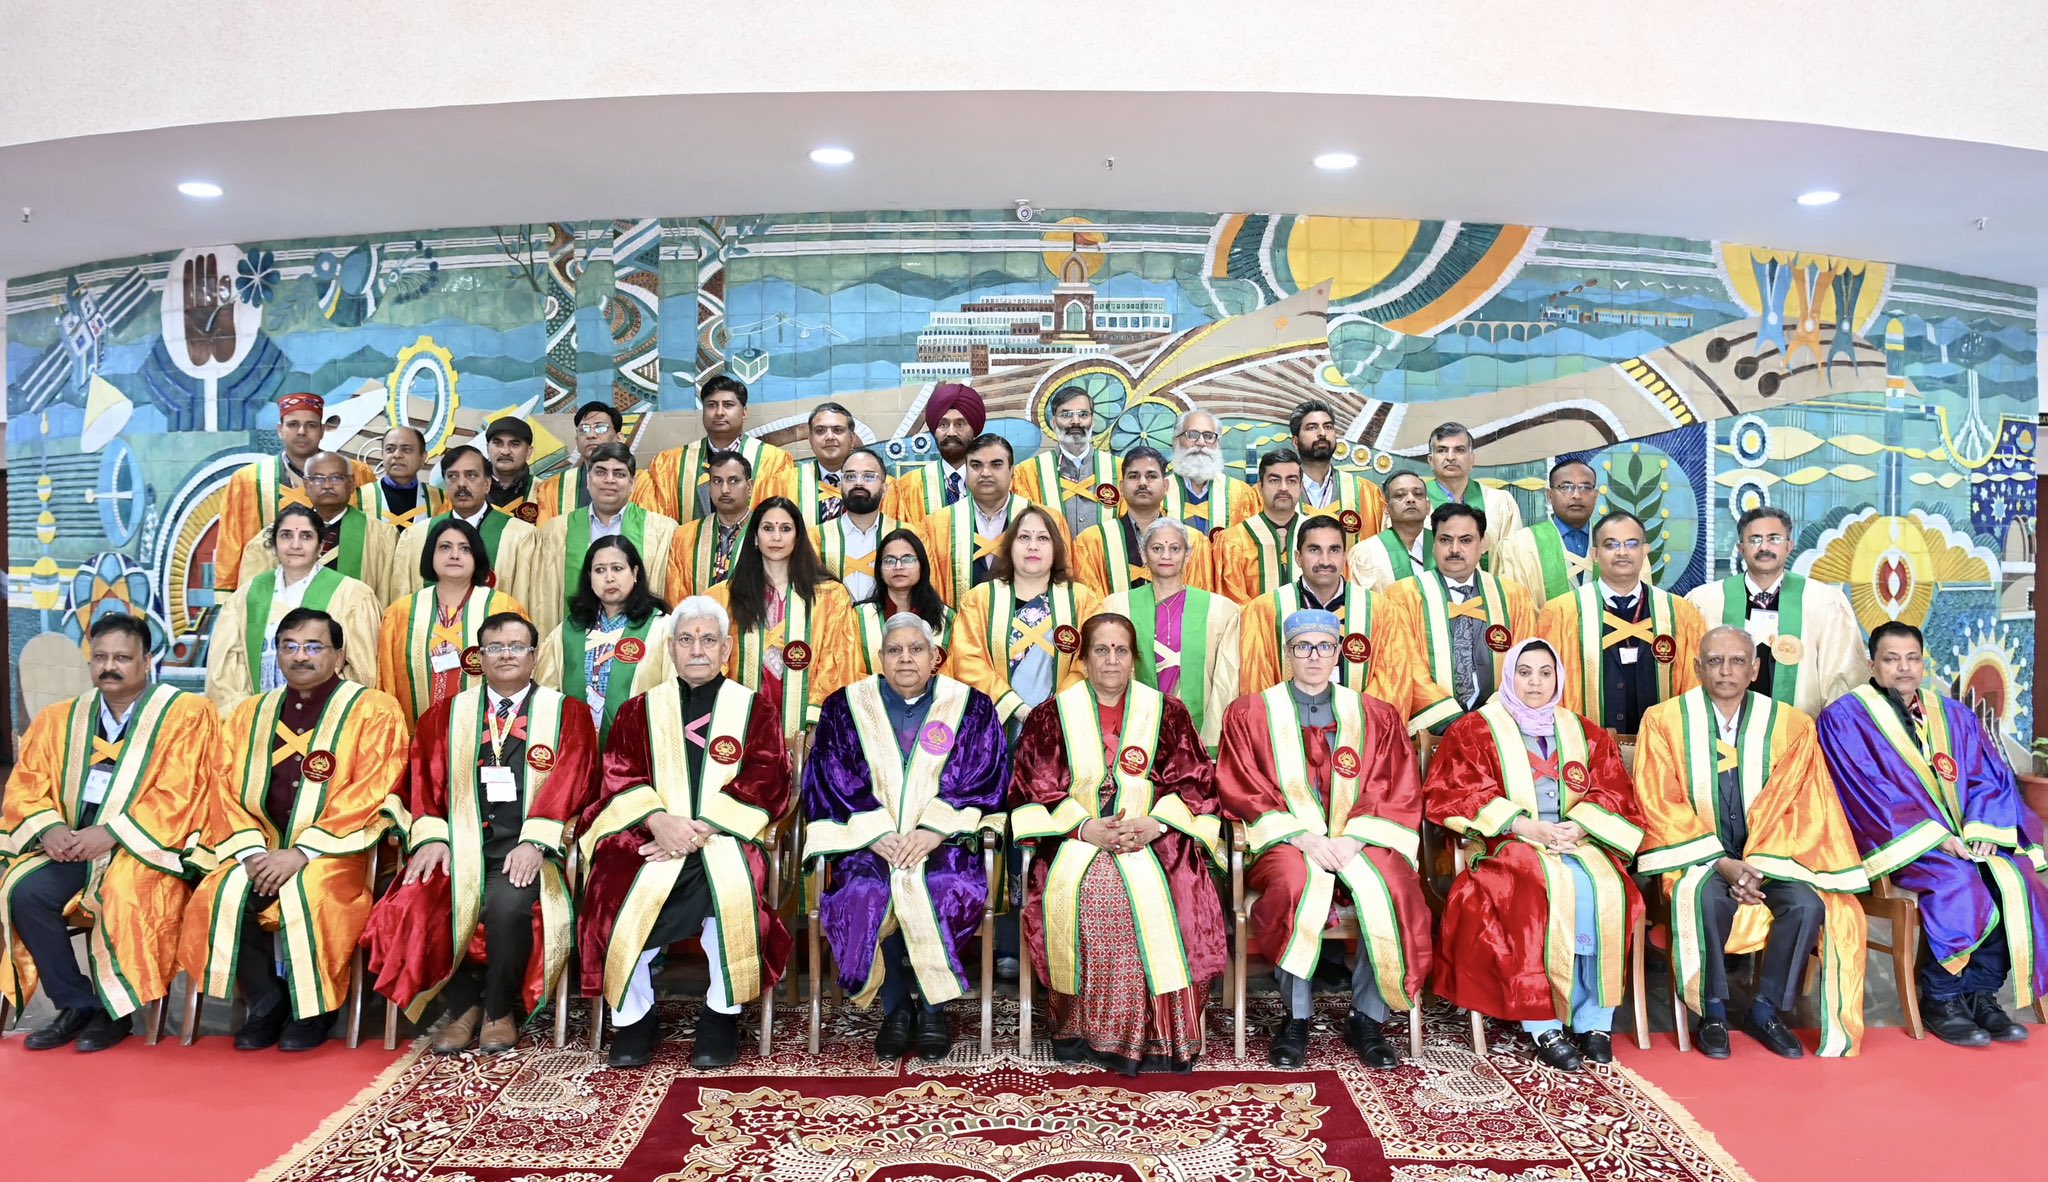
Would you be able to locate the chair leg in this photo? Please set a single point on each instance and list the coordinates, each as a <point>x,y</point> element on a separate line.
<point>1237,990</point>
<point>767,1021</point>
<point>355,1001</point>
<point>1680,1021</point>
<point>988,983</point>
<point>1478,1034</point>
<point>1906,964</point>
<point>1027,978</point>
<point>190,1033</point>
<point>817,971</point>
<point>155,1028</point>
<point>562,1007</point>
<point>1639,983</point>
<point>1415,1031</point>
<point>596,1024</point>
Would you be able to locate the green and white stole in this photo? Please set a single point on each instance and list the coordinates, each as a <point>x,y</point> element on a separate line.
<point>296,931</point>
<point>692,474</point>
<point>1355,613</point>
<point>1437,633</point>
<point>570,494</point>
<point>274,492</point>
<point>1119,572</point>
<point>1348,497</point>
<point>1399,560</point>
<point>932,479</point>
<point>422,623</point>
<point>1160,947</point>
<point>262,596</point>
<point>1056,488</point>
<point>1560,944</point>
<point>1275,550</point>
<point>370,499</point>
<point>832,547</point>
<point>1378,924</point>
<point>466,835</point>
<point>1791,622</point>
<point>347,555</point>
<point>618,685</point>
<point>576,544</point>
<point>704,555</point>
<point>1002,610</point>
<point>1593,623</point>
<point>808,486</point>
<point>1475,497</point>
<point>1193,657</point>
<point>492,527</point>
<point>1562,569</point>
<point>796,683</point>
<point>1213,507</point>
<point>963,545</point>
<point>871,621</point>
<point>906,786</point>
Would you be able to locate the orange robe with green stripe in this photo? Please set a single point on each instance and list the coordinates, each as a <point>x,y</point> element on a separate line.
<point>133,899</point>
<point>658,486</point>
<point>983,661</point>
<point>1406,614</point>
<point>1090,563</point>
<point>404,656</point>
<point>835,653</point>
<point>243,515</point>
<point>1558,625</point>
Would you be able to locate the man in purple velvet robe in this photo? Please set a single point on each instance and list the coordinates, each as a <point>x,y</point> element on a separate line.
<point>902,768</point>
<point>1934,806</point>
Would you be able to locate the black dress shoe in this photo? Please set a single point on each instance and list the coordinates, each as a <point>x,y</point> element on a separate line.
<point>1597,1046</point>
<point>1290,1044</point>
<point>1951,1022</point>
<point>1072,1052</point>
<point>1554,1049</point>
<point>262,1031</point>
<point>1711,1038</point>
<point>1780,1041</point>
<point>1363,1035</point>
<point>633,1045</point>
<point>103,1032</point>
<point>934,1035</point>
<point>893,1039</point>
<point>67,1025</point>
<point>1992,1018</point>
<point>304,1034</point>
<point>718,1041</point>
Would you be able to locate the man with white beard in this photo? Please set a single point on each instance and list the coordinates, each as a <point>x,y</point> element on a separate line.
<point>1199,493</point>
<point>1072,478</point>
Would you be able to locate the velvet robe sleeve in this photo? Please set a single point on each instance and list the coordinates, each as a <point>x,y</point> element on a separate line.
<point>1390,788</point>
<point>425,816</point>
<point>841,810</point>
<point>1464,793</point>
<point>1992,809</point>
<point>1894,823</point>
<point>1609,798</point>
<point>570,786</point>
<point>1247,787</point>
<point>1040,774</point>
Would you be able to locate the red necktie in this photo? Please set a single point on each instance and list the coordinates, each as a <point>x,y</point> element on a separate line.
<point>1316,744</point>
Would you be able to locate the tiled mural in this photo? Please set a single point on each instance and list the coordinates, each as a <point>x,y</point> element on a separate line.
<point>1891,409</point>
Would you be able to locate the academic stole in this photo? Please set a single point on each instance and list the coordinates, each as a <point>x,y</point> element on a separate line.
<point>963,545</point>
<point>370,499</point>
<point>832,547</point>
<point>1160,947</point>
<point>570,494</point>
<point>1398,559</point>
<point>1475,497</point>
<point>256,624</point>
<point>1378,923</point>
<point>618,684</point>
<point>1354,612</point>
<point>347,555</point>
<point>1593,641</point>
<point>1002,611</point>
<point>1275,553</point>
<point>871,621</point>
<point>1347,502</point>
<point>1562,569</point>
<point>301,943</point>
<point>932,483</point>
<point>704,555</point>
<point>733,896</point>
<point>466,834</point>
<point>1193,690</point>
<point>692,474</point>
<point>1119,572</point>
<point>1213,507</point>
<point>1439,636</point>
<point>274,492</point>
<point>1704,756</point>
<point>808,487</point>
<point>905,785</point>
<point>1056,488</point>
<point>1610,895</point>
<point>81,739</point>
<point>796,683</point>
<point>576,544</point>
<point>1791,622</point>
<point>422,622</point>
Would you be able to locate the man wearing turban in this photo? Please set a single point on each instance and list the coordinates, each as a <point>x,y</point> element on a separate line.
<point>954,414</point>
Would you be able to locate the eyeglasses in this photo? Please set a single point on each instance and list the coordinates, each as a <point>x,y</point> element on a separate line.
<point>302,648</point>
<point>1074,416</point>
<point>1304,649</point>
<point>1617,545</point>
<point>1765,539</point>
<point>1574,488</point>
<point>860,478</point>
<point>593,428</point>
<point>1201,436</point>
<point>328,478</point>
<point>896,561</point>
<point>507,650</point>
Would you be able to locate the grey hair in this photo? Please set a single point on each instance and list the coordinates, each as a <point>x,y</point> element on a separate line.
<point>1165,522</point>
<point>913,622</point>
<point>701,607</point>
<point>1181,424</point>
<point>1748,641</point>
<point>1445,431</point>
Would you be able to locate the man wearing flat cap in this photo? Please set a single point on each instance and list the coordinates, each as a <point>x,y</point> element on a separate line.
<point>509,444</point>
<point>955,415</point>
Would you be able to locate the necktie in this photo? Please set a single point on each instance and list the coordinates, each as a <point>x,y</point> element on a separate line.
<point>829,504</point>
<point>952,487</point>
<point>499,732</point>
<point>1316,746</point>
<point>1623,605</point>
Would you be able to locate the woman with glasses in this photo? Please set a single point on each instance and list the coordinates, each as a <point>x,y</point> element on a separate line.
<point>793,629</point>
<point>614,643</point>
<point>903,583</point>
<point>241,659</point>
<point>1129,943</point>
<point>429,652</point>
<point>1536,929</point>
<point>1187,637</point>
<point>1020,632</point>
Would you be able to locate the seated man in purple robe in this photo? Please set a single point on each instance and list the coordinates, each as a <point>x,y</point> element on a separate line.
<point>1934,806</point>
<point>902,768</point>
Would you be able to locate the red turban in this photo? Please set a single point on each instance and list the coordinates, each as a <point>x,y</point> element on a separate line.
<point>292,402</point>
<point>955,396</point>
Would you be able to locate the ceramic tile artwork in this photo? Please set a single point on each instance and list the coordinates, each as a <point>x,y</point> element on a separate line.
<point>1889,408</point>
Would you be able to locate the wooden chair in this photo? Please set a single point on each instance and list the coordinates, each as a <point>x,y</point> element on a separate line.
<point>992,830</point>
<point>153,1028</point>
<point>1900,907</point>
<point>354,1005</point>
<point>1241,903</point>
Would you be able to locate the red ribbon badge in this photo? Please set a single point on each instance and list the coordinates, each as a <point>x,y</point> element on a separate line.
<point>1358,648</point>
<point>1498,638</point>
<point>528,512</point>
<point>1665,649</point>
<point>1945,766</point>
<point>473,661</point>
<point>631,651</point>
<point>1067,639</point>
<point>319,767</point>
<point>725,749</point>
<point>1576,775</point>
<point>796,656</point>
<point>540,757</point>
<point>1107,494</point>
<point>1346,761</point>
<point>1350,520</point>
<point>1133,761</point>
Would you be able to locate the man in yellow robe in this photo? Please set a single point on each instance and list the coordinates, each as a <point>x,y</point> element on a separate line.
<point>701,552</point>
<point>814,484</point>
<point>963,538</point>
<point>1552,556</point>
<point>1464,619</point>
<point>1809,645</point>
<point>1073,478</point>
<point>108,788</point>
<point>1452,454</point>
<point>676,484</point>
<point>564,540</point>
<point>512,543</point>
<point>399,497</point>
<point>1188,640</point>
<point>597,425</point>
<point>303,777</point>
<point>1756,854</point>
<point>1623,645</point>
<point>1402,548</point>
<point>354,543</point>
<point>257,492</point>
<point>1109,559</point>
<point>1201,493</point>
<point>955,415</point>
<point>1326,490</point>
<point>849,543</point>
<point>1257,555</point>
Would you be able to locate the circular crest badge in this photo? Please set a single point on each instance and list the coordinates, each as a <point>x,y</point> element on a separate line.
<point>540,757</point>
<point>1576,775</point>
<point>319,766</point>
<point>1498,638</point>
<point>1350,520</point>
<point>1107,494</point>
<point>1133,761</point>
<point>1346,761</point>
<point>473,661</point>
<point>1665,649</point>
<point>936,738</point>
<point>1358,648</point>
<point>724,749</point>
<point>1945,766</point>
<point>1786,650</point>
<point>529,512</point>
<point>630,651</point>
<point>1067,639</point>
<point>797,655</point>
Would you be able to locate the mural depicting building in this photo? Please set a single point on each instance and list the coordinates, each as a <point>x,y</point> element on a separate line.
<point>1890,409</point>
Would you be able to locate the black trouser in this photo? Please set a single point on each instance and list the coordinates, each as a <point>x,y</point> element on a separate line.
<point>37,910</point>
<point>688,905</point>
<point>508,939</point>
<point>1796,915</point>
<point>256,963</point>
<point>899,979</point>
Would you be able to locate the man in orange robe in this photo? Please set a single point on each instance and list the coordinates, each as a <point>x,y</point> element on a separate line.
<point>675,483</point>
<point>257,492</point>
<point>1623,644</point>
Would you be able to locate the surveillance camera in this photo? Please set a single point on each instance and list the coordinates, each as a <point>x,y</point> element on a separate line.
<point>1024,211</point>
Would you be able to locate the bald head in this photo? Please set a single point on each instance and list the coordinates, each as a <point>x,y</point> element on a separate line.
<point>1727,665</point>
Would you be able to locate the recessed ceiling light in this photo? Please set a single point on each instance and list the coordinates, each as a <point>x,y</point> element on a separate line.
<point>1336,161</point>
<point>199,189</point>
<point>1820,197</point>
<point>833,156</point>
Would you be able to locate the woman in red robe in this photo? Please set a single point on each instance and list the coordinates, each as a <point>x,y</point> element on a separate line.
<point>1127,943</point>
<point>1536,929</point>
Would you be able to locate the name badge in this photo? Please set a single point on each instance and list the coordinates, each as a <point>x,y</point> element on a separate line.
<point>1628,654</point>
<point>97,781</point>
<point>445,662</point>
<point>1762,626</point>
<point>499,786</point>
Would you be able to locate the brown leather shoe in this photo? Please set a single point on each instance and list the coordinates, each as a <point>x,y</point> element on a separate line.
<point>500,1035</point>
<point>456,1034</point>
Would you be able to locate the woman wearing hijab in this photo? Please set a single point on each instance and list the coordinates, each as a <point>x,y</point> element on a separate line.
<point>1536,929</point>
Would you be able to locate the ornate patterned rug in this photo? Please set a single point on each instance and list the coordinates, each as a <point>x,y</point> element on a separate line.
<point>545,1115</point>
